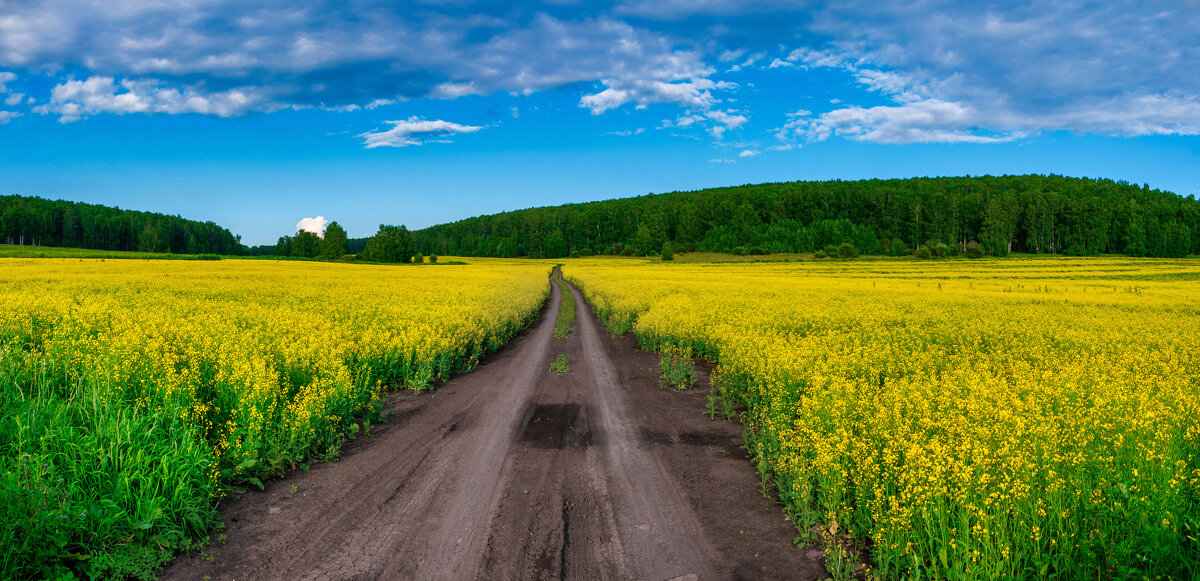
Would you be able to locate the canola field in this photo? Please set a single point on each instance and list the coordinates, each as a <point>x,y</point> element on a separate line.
<point>1023,418</point>
<point>134,394</point>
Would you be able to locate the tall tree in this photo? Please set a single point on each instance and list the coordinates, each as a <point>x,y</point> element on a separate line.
<point>335,244</point>
<point>389,244</point>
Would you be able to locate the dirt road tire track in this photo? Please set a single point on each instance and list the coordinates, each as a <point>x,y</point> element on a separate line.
<point>514,472</point>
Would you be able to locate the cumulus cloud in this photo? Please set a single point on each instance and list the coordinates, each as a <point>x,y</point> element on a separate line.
<point>315,225</point>
<point>715,121</point>
<point>971,75</point>
<point>340,56</point>
<point>695,93</point>
<point>415,131</point>
<point>948,69</point>
<point>919,122</point>
<point>6,116</point>
<point>74,99</point>
<point>748,153</point>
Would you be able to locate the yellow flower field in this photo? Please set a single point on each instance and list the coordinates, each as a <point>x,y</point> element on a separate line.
<point>1024,418</point>
<point>134,393</point>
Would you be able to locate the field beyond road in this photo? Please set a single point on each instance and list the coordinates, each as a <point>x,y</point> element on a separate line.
<point>951,419</point>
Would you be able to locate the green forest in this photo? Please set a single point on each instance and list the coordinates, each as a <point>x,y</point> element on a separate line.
<point>41,222</point>
<point>955,215</point>
<point>1029,214</point>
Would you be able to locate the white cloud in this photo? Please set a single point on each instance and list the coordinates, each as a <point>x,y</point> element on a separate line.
<point>5,78</point>
<point>14,99</point>
<point>73,100</point>
<point>715,121</point>
<point>415,131</point>
<point>780,63</point>
<point>748,153</point>
<point>627,132</point>
<point>695,93</point>
<point>340,57</point>
<point>975,75</point>
<point>315,225</point>
<point>6,116</point>
<point>454,90</point>
<point>919,122</point>
<point>724,120</point>
<point>731,55</point>
<point>721,160</point>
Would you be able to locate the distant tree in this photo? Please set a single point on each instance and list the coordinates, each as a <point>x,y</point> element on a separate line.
<point>335,244</point>
<point>847,250</point>
<point>389,244</point>
<point>643,241</point>
<point>555,246</point>
<point>433,259</point>
<point>668,253</point>
<point>974,250</point>
<point>306,244</point>
<point>284,246</point>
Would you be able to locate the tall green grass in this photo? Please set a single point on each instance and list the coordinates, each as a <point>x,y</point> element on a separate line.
<point>566,309</point>
<point>97,488</point>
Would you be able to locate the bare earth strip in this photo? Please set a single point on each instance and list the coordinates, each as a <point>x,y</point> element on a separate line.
<point>514,472</point>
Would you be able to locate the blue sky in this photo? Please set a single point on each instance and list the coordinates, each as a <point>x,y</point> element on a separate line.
<point>258,114</point>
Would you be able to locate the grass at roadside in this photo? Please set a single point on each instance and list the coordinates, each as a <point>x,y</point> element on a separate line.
<point>566,310</point>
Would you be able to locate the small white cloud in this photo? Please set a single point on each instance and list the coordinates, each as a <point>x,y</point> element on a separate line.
<point>5,78</point>
<point>415,131</point>
<point>6,116</point>
<point>14,99</point>
<point>731,55</point>
<point>627,132</point>
<point>696,94</point>
<point>315,225</point>
<point>780,63</point>
<point>721,160</point>
<point>73,100</point>
<point>748,153</point>
<point>454,90</point>
<point>929,121</point>
<point>516,112</point>
<point>725,120</point>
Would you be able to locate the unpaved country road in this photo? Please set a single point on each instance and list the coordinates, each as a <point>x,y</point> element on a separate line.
<point>515,472</point>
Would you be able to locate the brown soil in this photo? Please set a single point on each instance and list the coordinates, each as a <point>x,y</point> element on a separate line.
<point>516,472</point>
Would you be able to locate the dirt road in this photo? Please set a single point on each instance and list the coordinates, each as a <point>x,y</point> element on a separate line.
<point>515,472</point>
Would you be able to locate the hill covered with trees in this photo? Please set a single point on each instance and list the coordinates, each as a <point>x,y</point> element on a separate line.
<point>1031,213</point>
<point>37,221</point>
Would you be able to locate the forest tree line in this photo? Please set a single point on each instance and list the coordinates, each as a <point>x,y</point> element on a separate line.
<point>41,222</point>
<point>1032,213</point>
